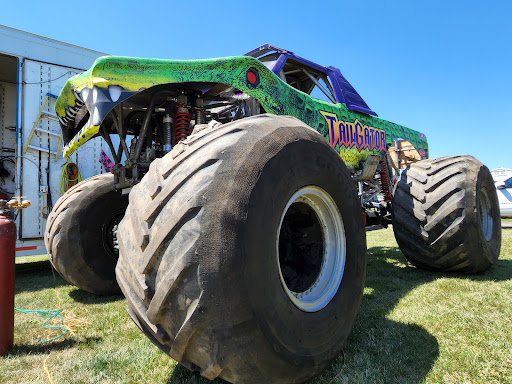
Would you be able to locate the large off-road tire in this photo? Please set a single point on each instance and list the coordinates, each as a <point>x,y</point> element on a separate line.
<point>446,215</point>
<point>242,252</point>
<point>79,237</point>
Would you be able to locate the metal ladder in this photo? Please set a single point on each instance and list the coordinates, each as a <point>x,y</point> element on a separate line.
<point>49,116</point>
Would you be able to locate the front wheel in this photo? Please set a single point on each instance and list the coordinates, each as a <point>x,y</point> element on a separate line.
<point>79,234</point>
<point>243,254</point>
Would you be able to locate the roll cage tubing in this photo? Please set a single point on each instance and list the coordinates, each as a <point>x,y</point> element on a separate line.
<point>343,90</point>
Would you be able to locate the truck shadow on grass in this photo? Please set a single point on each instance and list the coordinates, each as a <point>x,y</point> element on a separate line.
<point>380,350</point>
<point>42,348</point>
<point>84,297</point>
<point>52,346</point>
<point>37,278</point>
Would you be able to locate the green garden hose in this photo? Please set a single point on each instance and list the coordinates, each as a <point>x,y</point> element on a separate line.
<point>70,176</point>
<point>48,315</point>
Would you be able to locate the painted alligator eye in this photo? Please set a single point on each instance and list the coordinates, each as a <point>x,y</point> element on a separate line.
<point>253,77</point>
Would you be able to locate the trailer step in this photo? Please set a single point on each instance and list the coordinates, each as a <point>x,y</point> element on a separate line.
<point>41,149</point>
<point>50,116</point>
<point>47,132</point>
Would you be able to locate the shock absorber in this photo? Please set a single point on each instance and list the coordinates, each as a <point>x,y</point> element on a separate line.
<point>167,128</point>
<point>384,181</point>
<point>198,104</point>
<point>182,121</point>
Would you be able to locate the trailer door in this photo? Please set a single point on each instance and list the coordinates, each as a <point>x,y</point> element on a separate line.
<point>8,97</point>
<point>42,160</point>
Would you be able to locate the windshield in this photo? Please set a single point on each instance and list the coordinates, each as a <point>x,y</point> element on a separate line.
<point>269,60</point>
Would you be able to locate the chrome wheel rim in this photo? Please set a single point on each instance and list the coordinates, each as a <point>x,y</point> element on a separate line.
<point>486,214</point>
<point>316,289</point>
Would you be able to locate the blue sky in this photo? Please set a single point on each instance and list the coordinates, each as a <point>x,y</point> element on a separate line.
<point>443,68</point>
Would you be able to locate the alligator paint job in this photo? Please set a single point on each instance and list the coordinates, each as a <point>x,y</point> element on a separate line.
<point>111,80</point>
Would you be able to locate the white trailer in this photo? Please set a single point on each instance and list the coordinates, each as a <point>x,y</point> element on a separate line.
<point>33,69</point>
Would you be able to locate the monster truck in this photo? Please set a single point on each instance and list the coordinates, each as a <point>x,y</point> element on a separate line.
<point>237,206</point>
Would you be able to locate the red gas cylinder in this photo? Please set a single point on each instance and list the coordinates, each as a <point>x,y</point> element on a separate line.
<point>7,267</point>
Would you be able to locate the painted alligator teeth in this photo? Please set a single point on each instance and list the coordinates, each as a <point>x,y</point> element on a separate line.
<point>115,92</point>
<point>96,118</point>
<point>95,95</point>
<point>78,96</point>
<point>71,112</point>
<point>85,94</point>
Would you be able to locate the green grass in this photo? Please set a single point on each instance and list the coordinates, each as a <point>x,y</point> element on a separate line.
<point>414,326</point>
<point>31,259</point>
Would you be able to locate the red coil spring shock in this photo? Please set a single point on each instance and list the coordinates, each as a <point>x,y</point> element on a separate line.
<point>182,123</point>
<point>384,181</point>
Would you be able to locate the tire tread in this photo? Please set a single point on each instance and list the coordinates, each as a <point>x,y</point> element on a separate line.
<point>430,205</point>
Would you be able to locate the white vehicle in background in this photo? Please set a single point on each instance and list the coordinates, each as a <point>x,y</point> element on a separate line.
<point>504,189</point>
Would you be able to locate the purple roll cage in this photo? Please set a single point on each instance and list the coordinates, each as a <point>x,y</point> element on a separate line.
<point>343,91</point>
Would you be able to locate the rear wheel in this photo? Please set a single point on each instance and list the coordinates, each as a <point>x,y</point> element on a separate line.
<point>234,255</point>
<point>79,234</point>
<point>446,215</point>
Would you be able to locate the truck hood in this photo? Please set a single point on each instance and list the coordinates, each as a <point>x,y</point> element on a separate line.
<point>87,98</point>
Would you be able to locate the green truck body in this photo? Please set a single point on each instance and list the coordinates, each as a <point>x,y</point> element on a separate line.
<point>111,80</point>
